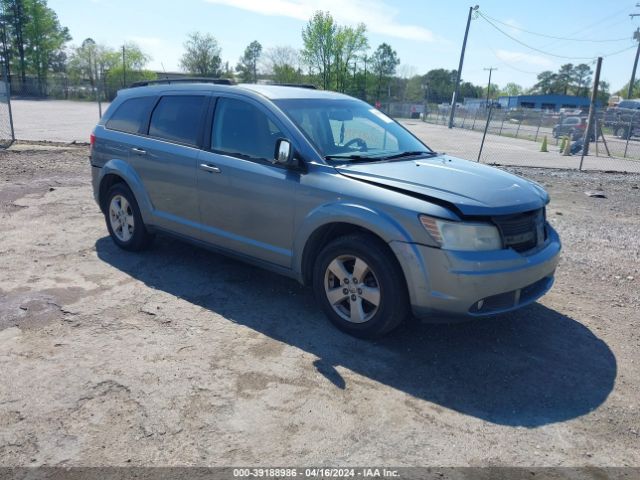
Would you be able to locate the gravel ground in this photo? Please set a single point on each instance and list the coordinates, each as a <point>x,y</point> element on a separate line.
<point>182,357</point>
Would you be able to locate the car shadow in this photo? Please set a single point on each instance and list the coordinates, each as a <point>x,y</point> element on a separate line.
<point>529,368</point>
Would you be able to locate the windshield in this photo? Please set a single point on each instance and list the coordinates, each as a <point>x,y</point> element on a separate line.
<point>351,130</point>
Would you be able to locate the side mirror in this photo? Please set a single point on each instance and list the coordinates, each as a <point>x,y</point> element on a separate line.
<point>284,152</point>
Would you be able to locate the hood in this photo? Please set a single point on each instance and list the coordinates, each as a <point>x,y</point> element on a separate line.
<point>471,188</point>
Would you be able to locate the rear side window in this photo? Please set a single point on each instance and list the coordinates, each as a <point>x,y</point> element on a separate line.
<point>131,115</point>
<point>178,118</point>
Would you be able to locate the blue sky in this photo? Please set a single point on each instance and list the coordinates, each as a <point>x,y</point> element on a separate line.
<point>426,33</point>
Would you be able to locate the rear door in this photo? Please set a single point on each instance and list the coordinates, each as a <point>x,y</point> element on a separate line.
<point>246,202</point>
<point>166,159</point>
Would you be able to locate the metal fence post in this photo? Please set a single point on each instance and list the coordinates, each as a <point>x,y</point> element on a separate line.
<point>504,115</point>
<point>7,90</point>
<point>464,119</point>
<point>538,129</point>
<point>628,135</point>
<point>473,125</point>
<point>518,129</point>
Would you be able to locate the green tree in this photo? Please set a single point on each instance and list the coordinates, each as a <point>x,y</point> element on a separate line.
<point>248,64</point>
<point>318,38</point>
<point>202,55</point>
<point>283,64</point>
<point>603,93</point>
<point>45,38</point>
<point>33,35</point>
<point>349,44</point>
<point>547,83</point>
<point>582,79</point>
<point>564,79</point>
<point>512,89</point>
<point>384,62</point>
<point>625,89</point>
<point>439,84</point>
<point>416,90</point>
<point>102,66</point>
<point>13,25</point>
<point>133,70</point>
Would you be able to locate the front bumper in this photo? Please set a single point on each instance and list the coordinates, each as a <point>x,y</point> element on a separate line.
<point>472,284</point>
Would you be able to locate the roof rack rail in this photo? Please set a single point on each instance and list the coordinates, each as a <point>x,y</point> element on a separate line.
<point>298,85</point>
<point>217,81</point>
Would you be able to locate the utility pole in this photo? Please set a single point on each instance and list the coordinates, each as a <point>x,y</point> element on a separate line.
<point>636,36</point>
<point>490,70</point>
<point>592,111</point>
<point>124,69</point>
<point>457,86</point>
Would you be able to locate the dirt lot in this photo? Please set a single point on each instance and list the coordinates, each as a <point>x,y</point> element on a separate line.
<point>182,357</point>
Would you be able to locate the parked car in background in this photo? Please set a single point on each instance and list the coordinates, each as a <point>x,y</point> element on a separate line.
<point>325,189</point>
<point>572,127</point>
<point>570,112</point>
<point>624,119</point>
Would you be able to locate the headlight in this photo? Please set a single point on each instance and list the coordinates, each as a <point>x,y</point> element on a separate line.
<point>461,235</point>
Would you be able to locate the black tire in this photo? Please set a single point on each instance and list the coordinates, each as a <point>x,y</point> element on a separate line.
<point>393,307</point>
<point>140,237</point>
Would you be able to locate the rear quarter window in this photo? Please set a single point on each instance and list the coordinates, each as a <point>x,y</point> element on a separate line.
<point>131,115</point>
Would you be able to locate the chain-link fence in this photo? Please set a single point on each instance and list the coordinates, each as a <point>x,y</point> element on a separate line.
<point>6,121</point>
<point>537,138</point>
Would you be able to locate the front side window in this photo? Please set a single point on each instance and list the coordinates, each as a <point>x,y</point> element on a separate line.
<point>242,129</point>
<point>178,118</point>
<point>130,116</point>
<point>350,130</point>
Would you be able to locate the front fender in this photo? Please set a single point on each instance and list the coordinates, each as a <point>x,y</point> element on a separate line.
<point>380,223</point>
<point>134,182</point>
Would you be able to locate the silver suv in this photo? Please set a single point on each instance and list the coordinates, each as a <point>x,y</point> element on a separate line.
<point>323,188</point>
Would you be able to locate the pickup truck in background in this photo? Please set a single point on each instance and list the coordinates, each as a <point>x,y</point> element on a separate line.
<point>623,120</point>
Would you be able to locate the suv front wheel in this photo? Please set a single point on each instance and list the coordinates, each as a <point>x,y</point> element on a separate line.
<point>124,221</point>
<point>360,286</point>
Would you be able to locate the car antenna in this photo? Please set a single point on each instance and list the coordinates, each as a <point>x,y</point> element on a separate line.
<point>165,71</point>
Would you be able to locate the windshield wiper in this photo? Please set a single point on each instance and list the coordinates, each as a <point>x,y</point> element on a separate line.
<point>409,154</point>
<point>382,158</point>
<point>359,158</point>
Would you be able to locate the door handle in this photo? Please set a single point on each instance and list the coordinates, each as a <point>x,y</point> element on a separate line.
<point>138,151</point>
<point>208,167</point>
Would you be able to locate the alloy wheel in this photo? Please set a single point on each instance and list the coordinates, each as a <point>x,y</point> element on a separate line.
<point>121,218</point>
<point>352,289</point>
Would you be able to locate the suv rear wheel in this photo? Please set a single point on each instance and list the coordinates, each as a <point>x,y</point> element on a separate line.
<point>360,286</point>
<point>124,221</point>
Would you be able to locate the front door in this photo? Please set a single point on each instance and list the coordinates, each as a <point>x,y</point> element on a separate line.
<point>246,202</point>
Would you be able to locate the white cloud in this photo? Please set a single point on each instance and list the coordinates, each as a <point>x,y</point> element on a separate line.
<point>378,17</point>
<point>514,28</point>
<point>525,58</point>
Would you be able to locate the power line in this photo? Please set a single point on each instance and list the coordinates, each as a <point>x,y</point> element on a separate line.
<point>554,37</point>
<point>542,51</point>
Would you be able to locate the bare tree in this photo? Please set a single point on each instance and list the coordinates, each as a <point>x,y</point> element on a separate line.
<point>202,55</point>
